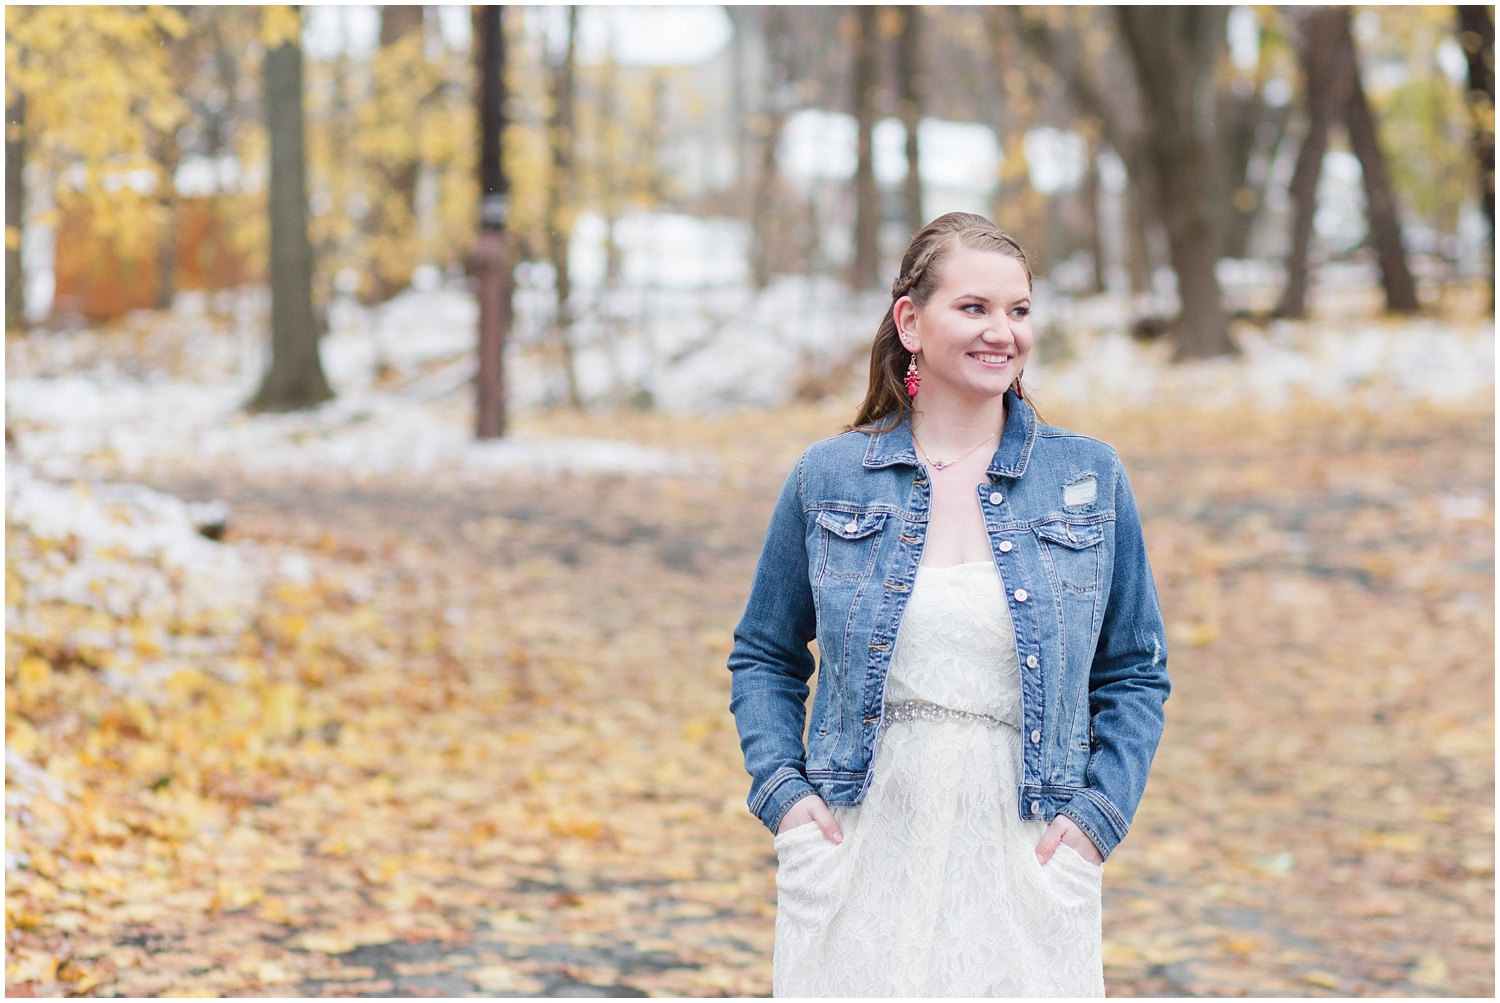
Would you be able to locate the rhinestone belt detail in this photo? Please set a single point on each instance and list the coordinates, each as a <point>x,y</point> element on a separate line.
<point>920,710</point>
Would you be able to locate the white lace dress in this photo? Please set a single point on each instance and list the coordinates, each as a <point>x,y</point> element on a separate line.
<point>936,890</point>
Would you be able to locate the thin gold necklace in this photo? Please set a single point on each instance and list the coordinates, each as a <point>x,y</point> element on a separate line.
<point>941,464</point>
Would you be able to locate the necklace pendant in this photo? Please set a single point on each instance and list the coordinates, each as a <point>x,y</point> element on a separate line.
<point>939,464</point>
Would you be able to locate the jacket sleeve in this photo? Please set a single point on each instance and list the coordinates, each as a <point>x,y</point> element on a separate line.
<point>1127,686</point>
<point>771,664</point>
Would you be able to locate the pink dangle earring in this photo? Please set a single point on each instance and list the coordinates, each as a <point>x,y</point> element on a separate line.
<point>913,378</point>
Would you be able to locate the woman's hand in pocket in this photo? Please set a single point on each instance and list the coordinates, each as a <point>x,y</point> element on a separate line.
<point>1064,830</point>
<point>812,809</point>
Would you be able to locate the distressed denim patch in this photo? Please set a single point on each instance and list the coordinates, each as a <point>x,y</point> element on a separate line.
<point>1081,492</point>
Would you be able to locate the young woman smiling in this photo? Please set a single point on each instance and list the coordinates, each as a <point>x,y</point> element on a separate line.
<point>991,663</point>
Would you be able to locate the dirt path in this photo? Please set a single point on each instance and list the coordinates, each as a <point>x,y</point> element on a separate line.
<point>527,782</point>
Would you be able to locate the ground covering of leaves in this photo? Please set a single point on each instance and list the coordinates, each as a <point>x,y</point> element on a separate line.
<point>479,745</point>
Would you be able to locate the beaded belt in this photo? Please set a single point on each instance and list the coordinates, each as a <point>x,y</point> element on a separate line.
<point>921,710</point>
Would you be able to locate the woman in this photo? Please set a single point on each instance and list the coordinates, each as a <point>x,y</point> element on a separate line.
<point>941,830</point>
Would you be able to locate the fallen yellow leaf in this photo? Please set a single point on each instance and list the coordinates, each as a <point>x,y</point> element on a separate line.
<point>504,979</point>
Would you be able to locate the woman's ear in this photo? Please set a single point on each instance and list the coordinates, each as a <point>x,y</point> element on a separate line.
<point>904,312</point>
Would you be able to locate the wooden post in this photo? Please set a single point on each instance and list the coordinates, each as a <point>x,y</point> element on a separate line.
<point>492,260</point>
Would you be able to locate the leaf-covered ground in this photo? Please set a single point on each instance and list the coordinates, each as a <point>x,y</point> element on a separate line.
<point>475,738</point>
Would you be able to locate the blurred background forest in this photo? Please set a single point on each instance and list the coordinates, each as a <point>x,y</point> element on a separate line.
<point>395,397</point>
<point>1180,163</point>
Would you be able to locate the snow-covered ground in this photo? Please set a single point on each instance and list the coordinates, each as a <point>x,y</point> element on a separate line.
<point>122,576</point>
<point>165,391</point>
<point>1359,361</point>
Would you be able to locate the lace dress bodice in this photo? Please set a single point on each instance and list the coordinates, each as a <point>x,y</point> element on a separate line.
<point>956,647</point>
<point>936,889</point>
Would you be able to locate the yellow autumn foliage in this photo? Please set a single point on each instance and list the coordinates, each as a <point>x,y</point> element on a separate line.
<point>98,92</point>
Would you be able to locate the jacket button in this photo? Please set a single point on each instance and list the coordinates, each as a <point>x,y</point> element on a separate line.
<point>1036,737</point>
<point>996,498</point>
<point>851,525</point>
<point>1036,807</point>
<point>1022,595</point>
<point>1031,661</point>
<point>1004,546</point>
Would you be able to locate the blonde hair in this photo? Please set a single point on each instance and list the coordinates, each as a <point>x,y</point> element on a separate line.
<point>886,397</point>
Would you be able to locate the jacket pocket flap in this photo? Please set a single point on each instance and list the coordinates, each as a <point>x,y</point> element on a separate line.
<point>851,526</point>
<point>1073,537</point>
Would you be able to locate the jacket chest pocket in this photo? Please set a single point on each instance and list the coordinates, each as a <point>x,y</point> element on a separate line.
<point>847,543</point>
<point>1074,554</point>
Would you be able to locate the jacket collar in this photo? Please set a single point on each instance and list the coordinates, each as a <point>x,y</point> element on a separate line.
<point>896,446</point>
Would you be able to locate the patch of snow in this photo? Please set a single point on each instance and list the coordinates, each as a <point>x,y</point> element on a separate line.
<point>1357,361</point>
<point>659,250</point>
<point>136,557</point>
<point>84,427</point>
<point>87,404</point>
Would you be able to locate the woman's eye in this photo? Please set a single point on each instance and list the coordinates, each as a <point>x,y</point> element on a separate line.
<point>1022,311</point>
<point>974,307</point>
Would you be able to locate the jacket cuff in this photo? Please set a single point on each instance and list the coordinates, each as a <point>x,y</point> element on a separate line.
<point>784,788</point>
<point>1097,818</point>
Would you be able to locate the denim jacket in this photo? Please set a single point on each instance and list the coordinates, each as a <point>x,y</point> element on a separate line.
<point>838,564</point>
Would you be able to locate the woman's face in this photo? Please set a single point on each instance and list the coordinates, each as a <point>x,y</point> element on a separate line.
<point>973,335</point>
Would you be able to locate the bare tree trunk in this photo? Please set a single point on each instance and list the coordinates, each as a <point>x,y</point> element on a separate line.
<point>1324,81</point>
<point>1239,119</point>
<point>559,202</point>
<point>1380,199</point>
<point>294,379</point>
<point>493,251</point>
<point>1174,52</point>
<point>864,271</point>
<point>1244,119</point>
<point>911,82</point>
<point>1477,35</point>
<point>340,129</point>
<point>220,123</point>
<point>1019,205</point>
<point>1140,217</point>
<point>741,18</point>
<point>166,150</point>
<point>762,252</point>
<point>610,155</point>
<point>15,211</point>
<point>398,21</point>
<point>1089,192</point>
<point>656,137</point>
<point>769,125</point>
<point>169,155</point>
